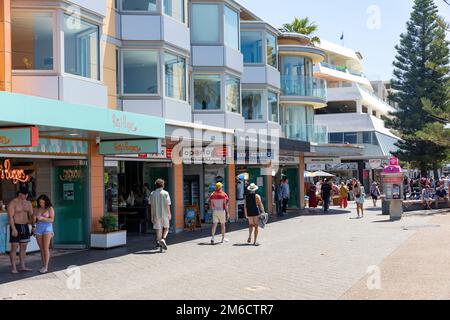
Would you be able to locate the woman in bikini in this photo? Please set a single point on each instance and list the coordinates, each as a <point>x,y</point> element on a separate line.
<point>44,216</point>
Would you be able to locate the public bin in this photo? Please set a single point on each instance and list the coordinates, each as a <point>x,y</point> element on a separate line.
<point>392,182</point>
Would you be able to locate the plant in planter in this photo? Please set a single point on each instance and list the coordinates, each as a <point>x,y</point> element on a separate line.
<point>110,237</point>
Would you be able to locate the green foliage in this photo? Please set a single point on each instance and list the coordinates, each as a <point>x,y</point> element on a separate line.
<point>421,81</point>
<point>108,223</point>
<point>303,26</point>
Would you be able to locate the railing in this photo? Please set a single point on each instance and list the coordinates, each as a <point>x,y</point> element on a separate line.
<point>302,86</point>
<point>372,94</point>
<point>309,132</point>
<point>342,69</point>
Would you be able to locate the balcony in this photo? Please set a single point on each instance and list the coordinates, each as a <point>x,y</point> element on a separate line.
<point>311,133</point>
<point>302,86</point>
<point>342,69</point>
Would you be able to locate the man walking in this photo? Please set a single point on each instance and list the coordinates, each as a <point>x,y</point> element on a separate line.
<point>218,203</point>
<point>160,213</point>
<point>20,212</point>
<point>326,194</point>
<point>285,193</point>
<point>278,197</point>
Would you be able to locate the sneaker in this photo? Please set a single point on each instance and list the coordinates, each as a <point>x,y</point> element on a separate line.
<point>225,240</point>
<point>212,240</point>
<point>163,244</point>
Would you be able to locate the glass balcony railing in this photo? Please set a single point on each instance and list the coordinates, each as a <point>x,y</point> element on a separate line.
<point>311,133</point>
<point>302,86</point>
<point>342,69</point>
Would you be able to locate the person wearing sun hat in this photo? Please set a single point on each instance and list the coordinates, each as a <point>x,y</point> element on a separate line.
<point>253,207</point>
<point>218,203</point>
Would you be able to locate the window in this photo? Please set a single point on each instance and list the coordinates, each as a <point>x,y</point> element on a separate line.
<point>205,23</point>
<point>367,137</point>
<point>365,109</point>
<point>351,137</point>
<point>374,113</point>
<point>233,94</point>
<point>252,105</point>
<point>273,107</point>
<point>375,139</point>
<point>32,40</point>
<point>272,50</point>
<point>81,48</point>
<point>336,138</point>
<point>175,71</point>
<point>231,27</point>
<point>175,9</point>
<point>140,72</point>
<point>251,46</point>
<point>207,92</point>
<point>139,5</point>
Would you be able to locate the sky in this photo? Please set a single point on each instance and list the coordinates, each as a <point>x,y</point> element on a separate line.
<point>372,27</point>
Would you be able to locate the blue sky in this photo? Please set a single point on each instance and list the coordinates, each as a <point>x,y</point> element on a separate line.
<point>372,27</point>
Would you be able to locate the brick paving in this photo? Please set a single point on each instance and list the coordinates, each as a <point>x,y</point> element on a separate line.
<point>306,256</point>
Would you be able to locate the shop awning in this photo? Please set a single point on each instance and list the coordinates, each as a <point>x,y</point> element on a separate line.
<point>18,109</point>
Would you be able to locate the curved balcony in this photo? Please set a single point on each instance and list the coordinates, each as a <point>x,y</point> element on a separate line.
<point>304,89</point>
<point>311,133</point>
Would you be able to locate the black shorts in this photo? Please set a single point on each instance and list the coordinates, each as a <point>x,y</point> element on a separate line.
<point>23,234</point>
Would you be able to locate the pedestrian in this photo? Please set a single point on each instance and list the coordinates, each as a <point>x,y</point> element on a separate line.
<point>360,196</point>
<point>343,193</point>
<point>253,208</point>
<point>218,203</point>
<point>20,213</point>
<point>427,197</point>
<point>279,198</point>
<point>326,195</point>
<point>375,193</point>
<point>160,213</point>
<point>312,196</point>
<point>441,195</point>
<point>44,216</point>
<point>285,194</point>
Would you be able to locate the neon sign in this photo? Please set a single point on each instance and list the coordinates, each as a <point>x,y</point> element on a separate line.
<point>70,175</point>
<point>14,175</point>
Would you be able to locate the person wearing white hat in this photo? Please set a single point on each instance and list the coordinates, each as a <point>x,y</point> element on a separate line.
<point>252,208</point>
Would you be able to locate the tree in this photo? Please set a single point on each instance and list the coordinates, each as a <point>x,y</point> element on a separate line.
<point>303,26</point>
<point>421,81</point>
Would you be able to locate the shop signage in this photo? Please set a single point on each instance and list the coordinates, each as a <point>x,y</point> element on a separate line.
<point>315,166</point>
<point>342,166</point>
<point>215,154</point>
<point>375,163</point>
<point>70,175</point>
<point>253,156</point>
<point>288,160</point>
<point>14,175</point>
<point>123,124</point>
<point>329,160</point>
<point>19,137</point>
<point>129,147</point>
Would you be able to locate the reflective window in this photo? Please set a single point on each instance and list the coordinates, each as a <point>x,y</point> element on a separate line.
<point>272,51</point>
<point>351,137</point>
<point>139,5</point>
<point>252,105</point>
<point>375,139</point>
<point>273,106</point>
<point>251,46</point>
<point>140,72</point>
<point>336,137</point>
<point>206,92</point>
<point>175,9</point>
<point>32,40</point>
<point>81,48</point>
<point>367,137</point>
<point>233,94</point>
<point>175,71</point>
<point>231,28</point>
<point>205,23</point>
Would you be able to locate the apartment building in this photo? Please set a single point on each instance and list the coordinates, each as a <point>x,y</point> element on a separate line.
<point>353,114</point>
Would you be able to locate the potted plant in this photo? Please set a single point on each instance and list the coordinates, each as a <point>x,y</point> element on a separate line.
<point>110,237</point>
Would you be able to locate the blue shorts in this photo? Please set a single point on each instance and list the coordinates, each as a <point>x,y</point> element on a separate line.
<point>43,228</point>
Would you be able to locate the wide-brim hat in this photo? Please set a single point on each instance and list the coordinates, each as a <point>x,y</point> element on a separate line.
<point>252,187</point>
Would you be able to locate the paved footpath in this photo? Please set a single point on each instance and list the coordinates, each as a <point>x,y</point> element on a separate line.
<point>306,256</point>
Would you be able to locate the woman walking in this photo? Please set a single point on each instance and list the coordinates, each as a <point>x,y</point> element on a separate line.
<point>375,193</point>
<point>252,208</point>
<point>343,192</point>
<point>312,196</point>
<point>359,193</point>
<point>44,216</point>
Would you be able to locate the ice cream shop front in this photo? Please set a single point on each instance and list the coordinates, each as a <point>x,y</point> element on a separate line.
<point>52,147</point>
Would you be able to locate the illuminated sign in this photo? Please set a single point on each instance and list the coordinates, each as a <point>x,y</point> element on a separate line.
<point>19,137</point>
<point>118,147</point>
<point>70,175</point>
<point>14,175</point>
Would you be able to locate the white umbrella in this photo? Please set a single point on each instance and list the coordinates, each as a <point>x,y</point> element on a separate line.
<point>322,174</point>
<point>307,174</point>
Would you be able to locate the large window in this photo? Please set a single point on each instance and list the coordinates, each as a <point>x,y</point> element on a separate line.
<point>207,92</point>
<point>296,66</point>
<point>231,27</point>
<point>139,5</point>
<point>351,137</point>
<point>337,137</point>
<point>175,9</point>
<point>233,94</point>
<point>273,106</point>
<point>32,40</point>
<point>251,46</point>
<point>252,105</point>
<point>175,71</point>
<point>140,72</point>
<point>272,51</point>
<point>205,24</point>
<point>81,48</point>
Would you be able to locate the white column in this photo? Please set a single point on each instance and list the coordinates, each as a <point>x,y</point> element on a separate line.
<point>359,106</point>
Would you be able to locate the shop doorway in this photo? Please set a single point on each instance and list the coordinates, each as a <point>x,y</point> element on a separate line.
<point>292,175</point>
<point>70,200</point>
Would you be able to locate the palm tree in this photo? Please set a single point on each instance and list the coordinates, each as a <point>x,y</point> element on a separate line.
<point>303,26</point>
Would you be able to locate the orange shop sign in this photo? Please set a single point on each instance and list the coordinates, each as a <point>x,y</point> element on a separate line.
<point>13,175</point>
